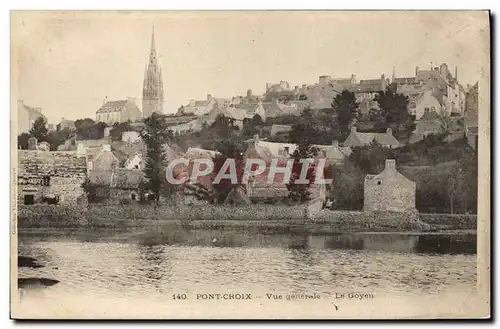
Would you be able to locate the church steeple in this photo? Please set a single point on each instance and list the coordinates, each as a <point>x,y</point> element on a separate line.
<point>152,93</point>
<point>152,52</point>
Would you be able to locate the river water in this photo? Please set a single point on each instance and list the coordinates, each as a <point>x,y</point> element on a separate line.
<point>146,266</point>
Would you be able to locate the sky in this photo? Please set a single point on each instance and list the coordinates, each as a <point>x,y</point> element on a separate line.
<point>67,63</point>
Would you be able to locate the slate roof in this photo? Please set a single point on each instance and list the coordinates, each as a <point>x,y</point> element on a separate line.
<point>404,80</point>
<point>56,164</point>
<point>366,138</point>
<point>127,179</point>
<point>112,106</point>
<point>374,85</point>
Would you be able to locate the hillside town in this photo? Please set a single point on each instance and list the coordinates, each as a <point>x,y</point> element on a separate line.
<point>391,143</point>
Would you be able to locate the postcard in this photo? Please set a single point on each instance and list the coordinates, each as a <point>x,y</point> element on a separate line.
<point>250,165</point>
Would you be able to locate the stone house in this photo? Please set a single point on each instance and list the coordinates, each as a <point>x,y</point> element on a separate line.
<point>334,154</point>
<point>125,186</point>
<point>100,163</point>
<point>389,190</point>
<point>258,189</point>
<point>66,124</point>
<point>26,116</point>
<point>426,103</point>
<point>366,91</point>
<point>118,111</point>
<point>51,177</point>
<point>202,107</point>
<point>357,139</point>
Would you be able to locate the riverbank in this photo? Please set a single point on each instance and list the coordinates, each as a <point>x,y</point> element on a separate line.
<point>259,218</point>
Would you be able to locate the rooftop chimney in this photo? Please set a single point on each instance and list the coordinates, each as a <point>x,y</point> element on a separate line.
<point>335,143</point>
<point>417,70</point>
<point>209,97</point>
<point>106,147</point>
<point>390,164</point>
<point>389,131</point>
<point>353,129</point>
<point>456,72</point>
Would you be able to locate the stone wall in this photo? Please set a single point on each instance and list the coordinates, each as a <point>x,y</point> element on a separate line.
<point>455,221</point>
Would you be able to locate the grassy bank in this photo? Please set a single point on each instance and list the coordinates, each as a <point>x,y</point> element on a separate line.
<point>267,219</point>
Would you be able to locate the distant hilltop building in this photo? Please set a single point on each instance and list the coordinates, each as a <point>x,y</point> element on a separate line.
<point>26,116</point>
<point>118,111</point>
<point>152,91</point>
<point>443,86</point>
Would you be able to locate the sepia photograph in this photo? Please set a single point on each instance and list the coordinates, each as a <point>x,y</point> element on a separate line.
<point>250,165</point>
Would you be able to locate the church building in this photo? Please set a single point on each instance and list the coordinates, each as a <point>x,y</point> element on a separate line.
<point>152,92</point>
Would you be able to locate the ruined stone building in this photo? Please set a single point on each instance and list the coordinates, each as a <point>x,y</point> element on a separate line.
<point>152,90</point>
<point>50,177</point>
<point>389,190</point>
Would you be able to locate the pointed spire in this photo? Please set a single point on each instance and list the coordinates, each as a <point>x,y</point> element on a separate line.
<point>153,40</point>
<point>152,53</point>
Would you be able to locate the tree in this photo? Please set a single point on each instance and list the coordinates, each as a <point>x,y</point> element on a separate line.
<point>22,141</point>
<point>39,130</point>
<point>304,132</point>
<point>89,129</point>
<point>300,192</point>
<point>346,108</point>
<point>370,159</point>
<point>118,130</point>
<point>154,135</point>
<point>251,126</point>
<point>394,110</point>
<point>58,137</point>
<point>304,135</point>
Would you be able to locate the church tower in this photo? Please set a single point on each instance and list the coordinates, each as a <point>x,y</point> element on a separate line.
<point>152,91</point>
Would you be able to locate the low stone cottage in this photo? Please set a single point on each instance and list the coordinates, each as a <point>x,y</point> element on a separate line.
<point>50,177</point>
<point>125,186</point>
<point>357,139</point>
<point>389,190</point>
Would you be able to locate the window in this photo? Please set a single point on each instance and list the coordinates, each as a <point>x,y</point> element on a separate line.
<point>136,167</point>
<point>29,199</point>
<point>133,196</point>
<point>426,110</point>
<point>46,180</point>
<point>379,182</point>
